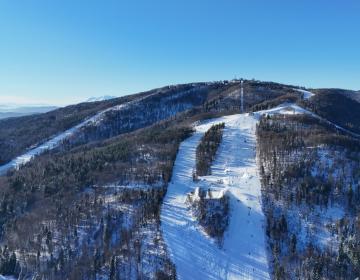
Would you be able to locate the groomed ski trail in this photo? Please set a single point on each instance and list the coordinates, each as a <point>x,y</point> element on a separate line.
<point>244,252</point>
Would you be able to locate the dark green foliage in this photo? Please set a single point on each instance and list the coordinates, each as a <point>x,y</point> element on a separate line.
<point>212,213</point>
<point>8,262</point>
<point>206,150</point>
<point>336,108</point>
<point>112,275</point>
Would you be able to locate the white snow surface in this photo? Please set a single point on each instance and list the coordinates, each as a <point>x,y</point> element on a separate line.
<point>100,98</point>
<point>7,277</point>
<point>306,94</point>
<point>244,253</point>
<point>283,109</point>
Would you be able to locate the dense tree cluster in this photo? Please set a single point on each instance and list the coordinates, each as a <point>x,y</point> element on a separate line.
<point>207,148</point>
<point>100,233</point>
<point>212,213</point>
<point>8,262</point>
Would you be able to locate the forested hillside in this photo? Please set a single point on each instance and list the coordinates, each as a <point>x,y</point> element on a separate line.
<point>116,116</point>
<point>311,197</point>
<point>337,108</point>
<point>18,134</point>
<point>85,189</point>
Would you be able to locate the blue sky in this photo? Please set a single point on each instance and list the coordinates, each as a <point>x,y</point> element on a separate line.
<point>62,52</point>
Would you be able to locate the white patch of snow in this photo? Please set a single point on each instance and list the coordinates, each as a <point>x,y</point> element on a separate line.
<point>306,94</point>
<point>283,109</point>
<point>100,98</point>
<point>7,277</point>
<point>316,226</point>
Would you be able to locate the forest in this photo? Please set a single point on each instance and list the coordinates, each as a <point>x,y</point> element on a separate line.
<point>311,195</point>
<point>206,150</point>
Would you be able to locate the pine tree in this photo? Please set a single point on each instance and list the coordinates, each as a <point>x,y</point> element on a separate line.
<point>112,275</point>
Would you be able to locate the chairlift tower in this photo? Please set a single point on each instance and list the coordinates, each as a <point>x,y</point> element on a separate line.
<point>242,95</point>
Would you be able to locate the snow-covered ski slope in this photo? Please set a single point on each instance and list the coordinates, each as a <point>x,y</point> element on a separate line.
<point>53,142</point>
<point>283,109</point>
<point>243,254</point>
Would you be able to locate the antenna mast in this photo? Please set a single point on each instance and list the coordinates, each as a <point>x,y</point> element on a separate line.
<point>242,95</point>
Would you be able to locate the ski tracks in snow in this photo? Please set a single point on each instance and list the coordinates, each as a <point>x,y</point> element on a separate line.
<point>243,255</point>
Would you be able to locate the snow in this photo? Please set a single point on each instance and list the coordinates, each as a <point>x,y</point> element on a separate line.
<point>315,225</point>
<point>234,172</point>
<point>306,94</point>
<point>244,253</point>
<point>283,109</point>
<point>100,98</point>
<point>7,277</point>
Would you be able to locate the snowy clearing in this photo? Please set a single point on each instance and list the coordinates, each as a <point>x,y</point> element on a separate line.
<point>306,94</point>
<point>283,109</point>
<point>244,252</point>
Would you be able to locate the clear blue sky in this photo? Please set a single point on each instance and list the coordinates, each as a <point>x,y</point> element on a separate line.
<point>68,50</point>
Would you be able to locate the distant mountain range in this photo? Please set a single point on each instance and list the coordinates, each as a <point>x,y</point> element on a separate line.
<point>16,110</point>
<point>10,110</point>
